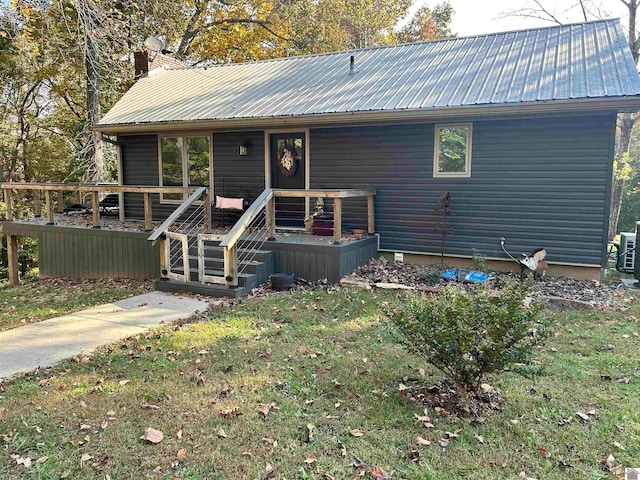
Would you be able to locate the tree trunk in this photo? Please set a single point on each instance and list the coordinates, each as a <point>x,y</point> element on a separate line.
<point>96,149</point>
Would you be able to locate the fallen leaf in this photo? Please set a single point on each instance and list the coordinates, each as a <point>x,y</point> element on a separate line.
<point>356,433</point>
<point>111,413</point>
<point>221,433</point>
<point>104,424</point>
<point>264,410</point>
<point>545,453</point>
<point>65,474</point>
<point>310,460</point>
<point>480,438</point>
<point>583,416</point>
<point>611,461</point>
<point>152,435</point>
<point>444,442</point>
<point>42,460</point>
<point>356,463</point>
<point>377,473</point>
<point>122,383</point>
<point>310,428</point>
<point>618,446</point>
<point>336,384</point>
<point>402,390</point>
<point>181,453</point>
<point>421,441</point>
<point>86,457</point>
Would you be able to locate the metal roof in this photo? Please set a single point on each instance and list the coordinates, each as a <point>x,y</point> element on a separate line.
<point>571,62</point>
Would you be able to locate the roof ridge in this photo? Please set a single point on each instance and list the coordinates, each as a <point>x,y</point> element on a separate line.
<point>397,45</point>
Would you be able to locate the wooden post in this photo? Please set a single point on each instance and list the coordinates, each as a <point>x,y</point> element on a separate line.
<point>207,212</point>
<point>60,202</point>
<point>230,267</point>
<point>148,217</point>
<point>370,215</point>
<point>7,201</point>
<point>12,254</point>
<point>37,203</point>
<point>95,209</point>
<point>49,206</point>
<point>80,197</point>
<point>164,256</point>
<point>337,219</point>
<point>271,218</point>
<point>185,259</point>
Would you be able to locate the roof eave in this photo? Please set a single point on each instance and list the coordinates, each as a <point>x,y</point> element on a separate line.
<point>618,104</point>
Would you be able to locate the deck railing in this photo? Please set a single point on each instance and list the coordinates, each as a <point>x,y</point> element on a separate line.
<point>181,231</point>
<point>93,190</point>
<point>250,231</point>
<point>257,224</point>
<point>54,203</point>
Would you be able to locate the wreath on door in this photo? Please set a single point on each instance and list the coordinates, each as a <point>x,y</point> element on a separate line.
<point>288,163</point>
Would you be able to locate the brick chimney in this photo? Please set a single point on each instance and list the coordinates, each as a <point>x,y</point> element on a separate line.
<point>145,62</point>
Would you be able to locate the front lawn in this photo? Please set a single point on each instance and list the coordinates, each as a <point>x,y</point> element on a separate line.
<point>39,300</point>
<point>305,386</point>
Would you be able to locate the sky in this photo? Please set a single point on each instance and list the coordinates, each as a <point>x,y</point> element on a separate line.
<point>474,17</point>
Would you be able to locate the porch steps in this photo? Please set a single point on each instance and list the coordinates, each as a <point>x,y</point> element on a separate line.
<point>255,271</point>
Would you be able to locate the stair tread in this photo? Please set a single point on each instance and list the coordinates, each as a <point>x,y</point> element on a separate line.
<point>240,262</point>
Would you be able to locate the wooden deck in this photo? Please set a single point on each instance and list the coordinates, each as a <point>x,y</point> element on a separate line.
<point>73,249</point>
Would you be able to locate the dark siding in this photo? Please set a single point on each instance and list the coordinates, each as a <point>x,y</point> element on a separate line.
<point>537,182</point>
<point>233,175</point>
<point>93,253</point>
<point>140,167</point>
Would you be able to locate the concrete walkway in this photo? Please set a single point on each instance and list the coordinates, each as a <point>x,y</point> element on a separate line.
<point>45,343</point>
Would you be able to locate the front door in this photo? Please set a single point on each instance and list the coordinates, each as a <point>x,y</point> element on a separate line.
<point>288,172</point>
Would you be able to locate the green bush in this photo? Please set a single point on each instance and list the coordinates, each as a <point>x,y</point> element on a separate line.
<point>468,334</point>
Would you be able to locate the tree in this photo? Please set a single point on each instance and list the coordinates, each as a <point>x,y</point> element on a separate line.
<point>428,24</point>
<point>589,10</point>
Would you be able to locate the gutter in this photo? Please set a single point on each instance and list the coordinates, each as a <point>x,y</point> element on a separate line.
<point>617,104</point>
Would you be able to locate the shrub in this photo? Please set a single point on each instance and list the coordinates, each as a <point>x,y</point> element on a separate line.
<point>468,334</point>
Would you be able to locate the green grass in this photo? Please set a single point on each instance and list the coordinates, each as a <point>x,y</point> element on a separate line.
<point>290,350</point>
<point>39,300</point>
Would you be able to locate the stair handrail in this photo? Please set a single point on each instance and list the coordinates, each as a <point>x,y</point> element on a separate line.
<point>194,197</point>
<point>230,240</point>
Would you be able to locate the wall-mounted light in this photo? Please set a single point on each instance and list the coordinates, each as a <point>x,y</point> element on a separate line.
<point>244,148</point>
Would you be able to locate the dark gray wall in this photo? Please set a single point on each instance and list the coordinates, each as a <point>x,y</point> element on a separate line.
<point>540,182</point>
<point>140,167</point>
<point>233,175</point>
<point>236,176</point>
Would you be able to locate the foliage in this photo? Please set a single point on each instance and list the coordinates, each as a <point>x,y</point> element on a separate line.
<point>479,260</point>
<point>452,154</point>
<point>428,24</point>
<point>468,334</point>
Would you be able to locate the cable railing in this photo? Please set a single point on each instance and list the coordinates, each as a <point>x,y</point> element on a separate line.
<point>180,232</point>
<point>247,236</point>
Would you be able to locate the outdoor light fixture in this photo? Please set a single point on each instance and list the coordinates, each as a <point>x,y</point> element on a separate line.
<point>244,147</point>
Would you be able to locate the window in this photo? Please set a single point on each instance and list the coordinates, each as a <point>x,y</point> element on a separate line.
<point>452,157</point>
<point>184,162</point>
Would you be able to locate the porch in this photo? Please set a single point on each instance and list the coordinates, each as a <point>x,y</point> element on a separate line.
<point>185,251</point>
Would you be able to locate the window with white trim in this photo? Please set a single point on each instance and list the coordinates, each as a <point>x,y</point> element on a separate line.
<point>452,152</point>
<point>184,162</point>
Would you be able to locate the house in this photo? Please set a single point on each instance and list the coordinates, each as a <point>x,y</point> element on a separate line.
<point>518,128</point>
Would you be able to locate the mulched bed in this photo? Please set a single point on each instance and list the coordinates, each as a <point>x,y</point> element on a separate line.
<point>380,270</point>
